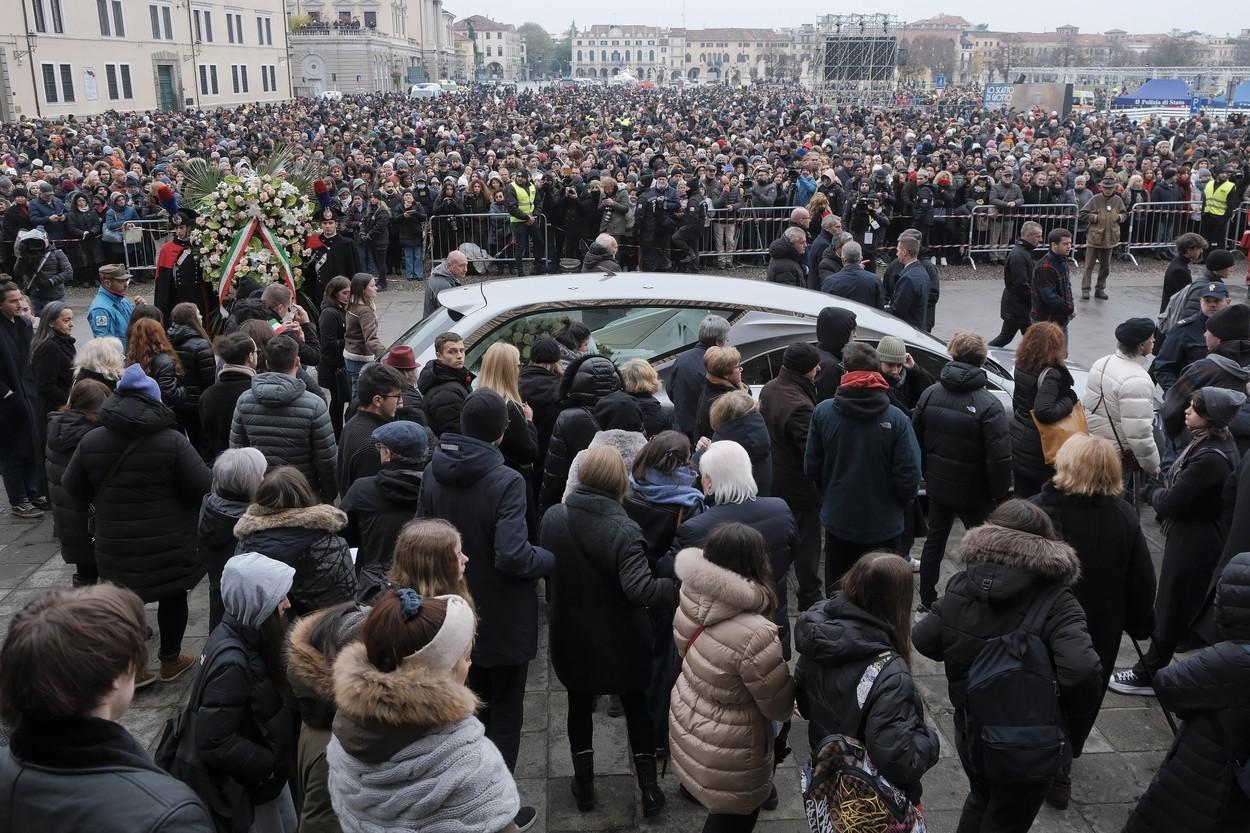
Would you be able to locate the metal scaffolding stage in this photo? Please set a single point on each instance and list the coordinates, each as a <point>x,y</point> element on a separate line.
<point>857,59</point>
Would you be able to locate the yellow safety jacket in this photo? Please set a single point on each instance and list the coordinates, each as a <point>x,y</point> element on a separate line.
<point>1217,198</point>
<point>524,200</point>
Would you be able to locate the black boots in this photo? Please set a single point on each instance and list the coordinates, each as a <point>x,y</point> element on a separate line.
<point>652,797</point>
<point>584,779</point>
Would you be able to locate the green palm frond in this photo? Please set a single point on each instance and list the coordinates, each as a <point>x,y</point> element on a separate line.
<point>201,180</point>
<point>300,172</point>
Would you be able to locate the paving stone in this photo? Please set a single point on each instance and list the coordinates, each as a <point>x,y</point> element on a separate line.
<point>610,743</point>
<point>532,760</point>
<point>615,799</point>
<point>1050,820</point>
<point>533,792</point>
<point>535,712</point>
<point>1135,730</point>
<point>12,574</point>
<point>945,785</point>
<point>941,821</point>
<point>1096,743</point>
<point>34,552</point>
<point>1103,779</point>
<point>1106,818</point>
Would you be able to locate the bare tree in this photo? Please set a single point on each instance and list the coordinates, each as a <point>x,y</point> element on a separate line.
<point>1172,52</point>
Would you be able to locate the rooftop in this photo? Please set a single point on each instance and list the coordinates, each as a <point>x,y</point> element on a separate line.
<point>482,23</point>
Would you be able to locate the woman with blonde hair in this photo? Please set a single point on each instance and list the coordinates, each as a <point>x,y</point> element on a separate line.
<point>101,359</point>
<point>1117,582</point>
<point>643,383</point>
<point>430,559</point>
<point>500,372</point>
<point>723,367</point>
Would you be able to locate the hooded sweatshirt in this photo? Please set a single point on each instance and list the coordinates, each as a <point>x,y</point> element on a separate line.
<point>834,326</point>
<point>252,586</point>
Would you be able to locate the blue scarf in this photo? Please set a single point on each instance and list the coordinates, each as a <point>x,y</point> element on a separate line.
<point>668,489</point>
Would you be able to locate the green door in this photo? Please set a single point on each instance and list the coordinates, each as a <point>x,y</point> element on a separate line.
<point>165,87</point>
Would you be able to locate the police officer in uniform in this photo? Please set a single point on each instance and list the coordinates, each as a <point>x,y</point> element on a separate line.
<point>179,277</point>
<point>1186,342</point>
<point>333,255</point>
<point>109,313</point>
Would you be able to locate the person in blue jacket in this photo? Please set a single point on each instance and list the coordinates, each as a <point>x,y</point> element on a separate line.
<point>109,313</point>
<point>910,301</point>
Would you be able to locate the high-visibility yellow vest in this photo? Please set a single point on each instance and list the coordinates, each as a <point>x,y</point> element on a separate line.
<point>524,200</point>
<point>1217,198</point>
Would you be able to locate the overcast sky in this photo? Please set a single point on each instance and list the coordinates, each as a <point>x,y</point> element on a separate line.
<point>1139,16</point>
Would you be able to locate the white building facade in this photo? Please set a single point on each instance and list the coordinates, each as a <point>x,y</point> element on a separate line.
<point>363,46</point>
<point>62,57</point>
<point>499,50</point>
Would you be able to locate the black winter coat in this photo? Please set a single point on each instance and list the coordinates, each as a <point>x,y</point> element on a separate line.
<point>712,390</point>
<point>586,381</point>
<point>785,265</point>
<point>837,641</point>
<point>52,364</point>
<point>244,731</point>
<point>377,508</point>
<point>199,365</point>
<point>656,417</point>
<point>86,775</point>
<point>218,515</point>
<point>598,595</point>
<point>540,389</point>
<point>468,484</point>
<point>1117,583</point>
<point>161,367</point>
<point>65,431</point>
<point>1006,570</point>
<point>751,432</point>
<point>1017,300</point>
<point>216,408</point>
<point>307,539</point>
<point>21,414</point>
<point>443,391</point>
<point>1194,789</point>
<point>685,384</point>
<point>357,455</point>
<point>146,513</point>
<point>332,324</point>
<point>290,425</point>
<point>834,326</point>
<point>965,443</point>
<point>786,405</point>
<point>1053,401</point>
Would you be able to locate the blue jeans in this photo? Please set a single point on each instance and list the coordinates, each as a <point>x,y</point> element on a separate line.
<point>21,479</point>
<point>353,373</point>
<point>414,262</point>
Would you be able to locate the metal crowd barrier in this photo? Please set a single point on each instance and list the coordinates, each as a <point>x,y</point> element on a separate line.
<point>139,250</point>
<point>490,236</point>
<point>1156,225</point>
<point>1238,225</point>
<point>992,232</point>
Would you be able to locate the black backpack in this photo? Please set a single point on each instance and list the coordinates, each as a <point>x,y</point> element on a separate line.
<point>1015,728</point>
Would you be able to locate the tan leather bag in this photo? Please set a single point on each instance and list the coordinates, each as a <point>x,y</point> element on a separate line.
<point>1055,434</point>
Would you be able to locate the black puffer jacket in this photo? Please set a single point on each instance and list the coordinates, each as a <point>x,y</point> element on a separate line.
<point>964,439</point>
<point>377,508</point>
<point>599,593</point>
<point>540,389</point>
<point>1194,788</point>
<point>785,265</point>
<point>837,641</point>
<point>586,381</point>
<point>161,367</point>
<point>244,732</point>
<point>751,432</point>
<point>834,326</point>
<point>656,417</point>
<point>199,365</point>
<point>218,515</point>
<point>1006,570</point>
<point>308,540</point>
<point>145,513</point>
<point>443,391</point>
<point>1053,401</point>
<point>291,427</point>
<point>52,364</point>
<point>65,431</point>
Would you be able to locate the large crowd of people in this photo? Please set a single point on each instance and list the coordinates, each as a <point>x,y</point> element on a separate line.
<point>380,538</point>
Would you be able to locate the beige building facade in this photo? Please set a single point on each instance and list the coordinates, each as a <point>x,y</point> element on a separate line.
<point>63,57</point>
<point>499,48</point>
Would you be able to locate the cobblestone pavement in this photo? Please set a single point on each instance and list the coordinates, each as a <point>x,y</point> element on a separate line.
<point>1124,750</point>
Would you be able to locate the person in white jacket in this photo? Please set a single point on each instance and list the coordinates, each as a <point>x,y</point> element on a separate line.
<point>1119,397</point>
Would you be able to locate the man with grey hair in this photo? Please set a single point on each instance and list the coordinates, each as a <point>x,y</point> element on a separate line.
<point>685,384</point>
<point>829,229</point>
<point>785,258</point>
<point>853,281</point>
<point>831,261</point>
<point>446,275</point>
<point>236,474</point>
<point>800,218</point>
<point>601,256</point>
<point>1017,298</point>
<point>725,470</point>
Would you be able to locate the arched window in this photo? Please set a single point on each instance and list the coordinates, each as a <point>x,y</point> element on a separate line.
<point>616,57</point>
<point>703,57</point>
<point>579,56</point>
<point>627,56</point>
<point>592,56</point>
<point>651,56</point>
<point>603,55</point>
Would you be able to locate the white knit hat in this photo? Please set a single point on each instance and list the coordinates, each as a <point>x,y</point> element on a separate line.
<point>453,639</point>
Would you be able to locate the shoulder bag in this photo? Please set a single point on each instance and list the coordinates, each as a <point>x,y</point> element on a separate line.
<point>1055,434</point>
<point>108,475</point>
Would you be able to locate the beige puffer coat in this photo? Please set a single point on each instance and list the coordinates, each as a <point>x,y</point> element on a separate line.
<point>733,682</point>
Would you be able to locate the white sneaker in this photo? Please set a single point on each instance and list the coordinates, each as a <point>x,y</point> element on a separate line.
<point>1130,682</point>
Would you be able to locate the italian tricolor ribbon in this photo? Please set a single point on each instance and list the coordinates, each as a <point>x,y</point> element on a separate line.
<point>239,248</point>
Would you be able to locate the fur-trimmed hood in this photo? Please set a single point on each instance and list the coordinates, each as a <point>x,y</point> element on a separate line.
<point>1032,554</point>
<point>410,696</point>
<point>321,517</point>
<point>307,667</point>
<point>718,594</point>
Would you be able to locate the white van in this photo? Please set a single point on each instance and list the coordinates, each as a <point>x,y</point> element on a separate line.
<point>429,90</point>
